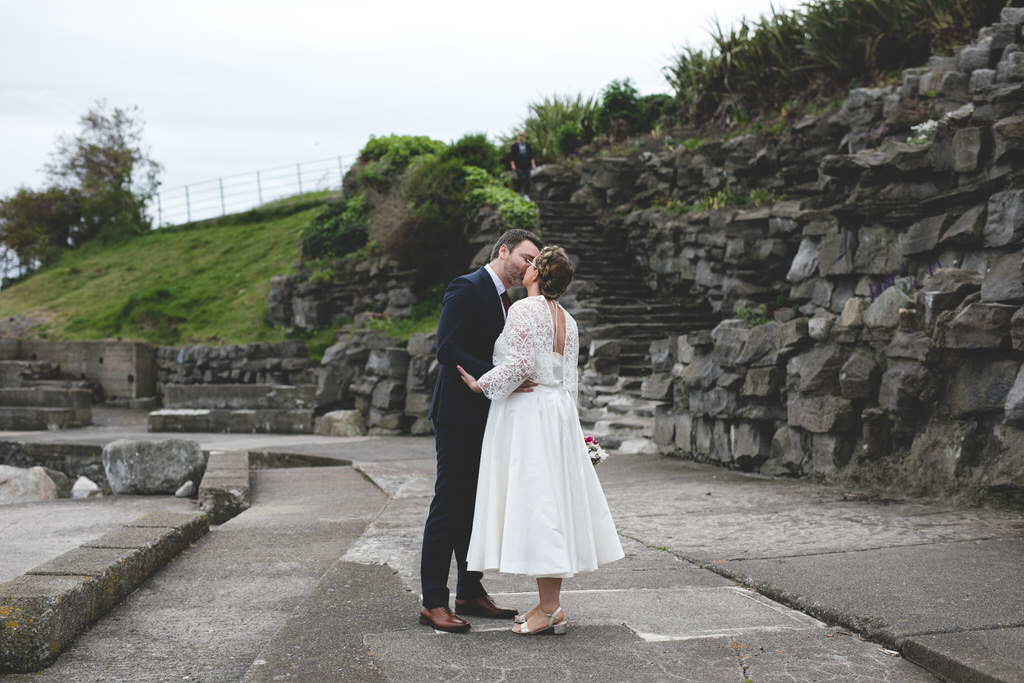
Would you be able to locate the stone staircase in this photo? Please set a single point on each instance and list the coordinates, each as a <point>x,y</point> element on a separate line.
<point>34,397</point>
<point>235,408</point>
<point>619,317</point>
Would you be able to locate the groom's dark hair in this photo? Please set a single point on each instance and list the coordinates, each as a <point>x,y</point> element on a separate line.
<point>513,237</point>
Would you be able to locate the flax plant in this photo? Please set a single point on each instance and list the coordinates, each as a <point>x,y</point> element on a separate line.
<point>816,51</point>
<point>551,114</point>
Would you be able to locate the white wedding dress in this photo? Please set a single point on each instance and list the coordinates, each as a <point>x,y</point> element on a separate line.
<point>540,510</point>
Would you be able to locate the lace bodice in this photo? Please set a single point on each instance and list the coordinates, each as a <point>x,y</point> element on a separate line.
<point>525,351</point>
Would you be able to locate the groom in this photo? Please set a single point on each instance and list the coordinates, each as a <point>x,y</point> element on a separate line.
<point>472,316</point>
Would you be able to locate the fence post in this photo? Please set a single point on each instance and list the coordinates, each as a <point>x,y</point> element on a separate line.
<point>341,173</point>
<point>259,188</point>
<point>188,207</point>
<point>223,211</point>
<point>159,212</point>
<point>298,169</point>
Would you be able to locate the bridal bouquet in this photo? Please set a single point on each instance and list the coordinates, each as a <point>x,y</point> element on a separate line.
<point>597,454</point>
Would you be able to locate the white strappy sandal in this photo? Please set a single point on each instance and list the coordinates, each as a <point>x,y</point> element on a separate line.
<point>521,618</point>
<point>559,629</point>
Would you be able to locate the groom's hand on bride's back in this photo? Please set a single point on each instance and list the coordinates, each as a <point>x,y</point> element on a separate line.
<point>525,387</point>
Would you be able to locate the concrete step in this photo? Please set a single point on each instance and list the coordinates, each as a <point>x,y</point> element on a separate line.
<point>17,373</point>
<point>231,421</point>
<point>240,396</point>
<point>37,418</point>
<point>48,396</point>
<point>47,608</point>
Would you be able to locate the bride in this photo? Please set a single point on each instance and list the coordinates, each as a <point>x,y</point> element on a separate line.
<point>540,510</point>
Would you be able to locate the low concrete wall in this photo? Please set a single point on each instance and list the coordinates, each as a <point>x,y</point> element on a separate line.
<point>122,369</point>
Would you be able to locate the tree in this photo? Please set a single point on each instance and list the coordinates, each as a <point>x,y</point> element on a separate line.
<point>101,181</point>
<point>38,226</point>
<point>107,165</point>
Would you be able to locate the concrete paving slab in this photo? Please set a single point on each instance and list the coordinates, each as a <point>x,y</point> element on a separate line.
<point>661,614</point>
<point>893,593</point>
<point>324,638</point>
<point>971,656</point>
<point>828,655</point>
<point>709,516</point>
<point>593,652</point>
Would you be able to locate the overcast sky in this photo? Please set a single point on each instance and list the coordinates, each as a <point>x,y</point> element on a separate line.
<point>227,87</point>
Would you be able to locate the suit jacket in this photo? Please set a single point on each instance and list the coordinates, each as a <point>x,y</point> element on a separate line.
<point>471,320</point>
<point>523,161</point>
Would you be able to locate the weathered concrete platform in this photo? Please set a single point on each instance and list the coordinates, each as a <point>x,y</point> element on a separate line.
<point>727,576</point>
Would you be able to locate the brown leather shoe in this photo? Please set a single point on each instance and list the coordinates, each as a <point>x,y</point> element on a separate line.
<point>442,619</point>
<point>483,607</point>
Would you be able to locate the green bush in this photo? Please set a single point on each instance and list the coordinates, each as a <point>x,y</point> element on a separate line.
<point>430,220</point>
<point>475,150</point>
<point>515,211</point>
<point>397,151</point>
<point>624,112</point>
<point>568,138</point>
<point>384,159</point>
<point>339,229</point>
<point>619,114</point>
<point>654,108</point>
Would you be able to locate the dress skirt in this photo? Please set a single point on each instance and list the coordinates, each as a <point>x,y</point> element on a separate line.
<point>540,509</point>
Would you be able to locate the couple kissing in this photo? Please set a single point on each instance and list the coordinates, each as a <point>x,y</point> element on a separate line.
<point>516,491</point>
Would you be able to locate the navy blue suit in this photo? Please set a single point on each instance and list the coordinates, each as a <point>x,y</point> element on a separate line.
<point>471,320</point>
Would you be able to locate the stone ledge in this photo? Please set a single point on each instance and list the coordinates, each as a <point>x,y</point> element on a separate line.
<point>225,490</point>
<point>38,418</point>
<point>44,610</point>
<point>231,421</point>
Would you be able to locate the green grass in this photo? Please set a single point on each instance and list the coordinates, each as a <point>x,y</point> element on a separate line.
<point>205,283</point>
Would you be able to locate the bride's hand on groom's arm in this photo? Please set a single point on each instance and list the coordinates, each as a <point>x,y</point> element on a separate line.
<point>469,380</point>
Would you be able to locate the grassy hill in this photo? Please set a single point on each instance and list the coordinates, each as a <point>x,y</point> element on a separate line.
<point>203,283</point>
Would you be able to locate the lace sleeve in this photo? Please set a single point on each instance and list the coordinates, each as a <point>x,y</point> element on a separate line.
<point>570,358</point>
<point>503,379</point>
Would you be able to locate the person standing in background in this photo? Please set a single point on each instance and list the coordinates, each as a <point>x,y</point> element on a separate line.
<point>523,164</point>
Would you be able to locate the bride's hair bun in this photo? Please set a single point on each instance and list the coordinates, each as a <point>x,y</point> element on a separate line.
<point>554,271</point>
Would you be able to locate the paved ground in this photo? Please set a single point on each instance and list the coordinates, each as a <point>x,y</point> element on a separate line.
<point>727,577</point>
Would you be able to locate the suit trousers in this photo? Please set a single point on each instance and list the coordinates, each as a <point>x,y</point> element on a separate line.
<point>523,180</point>
<point>450,519</point>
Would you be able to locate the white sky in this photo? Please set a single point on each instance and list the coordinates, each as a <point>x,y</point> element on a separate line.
<point>227,87</point>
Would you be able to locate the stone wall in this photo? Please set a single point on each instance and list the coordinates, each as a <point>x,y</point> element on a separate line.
<point>259,363</point>
<point>388,383</point>
<point>359,285</point>
<point>892,275</point>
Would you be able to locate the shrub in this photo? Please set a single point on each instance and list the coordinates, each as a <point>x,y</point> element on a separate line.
<point>623,112</point>
<point>568,138</point>
<point>475,150</point>
<point>515,211</point>
<point>339,229</point>
<point>384,159</point>
<point>428,233</point>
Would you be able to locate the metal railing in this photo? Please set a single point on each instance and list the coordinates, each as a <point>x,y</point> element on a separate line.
<point>234,194</point>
